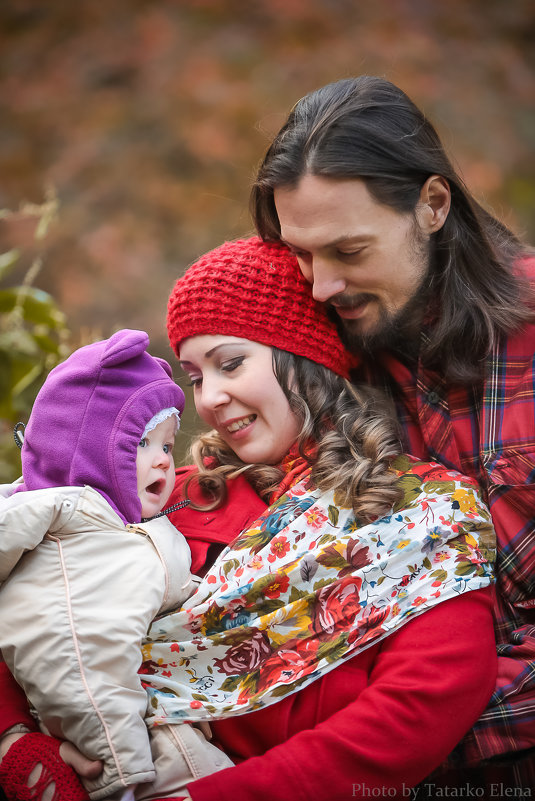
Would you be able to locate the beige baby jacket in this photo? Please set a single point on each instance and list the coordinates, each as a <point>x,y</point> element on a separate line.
<point>78,592</point>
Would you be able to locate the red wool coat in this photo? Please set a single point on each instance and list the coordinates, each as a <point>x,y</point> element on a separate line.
<point>380,722</point>
<point>385,719</point>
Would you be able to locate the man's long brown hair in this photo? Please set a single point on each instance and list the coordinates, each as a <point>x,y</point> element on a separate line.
<point>367,128</point>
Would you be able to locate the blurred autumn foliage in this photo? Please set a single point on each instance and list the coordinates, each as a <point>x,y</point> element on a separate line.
<point>148,117</point>
<point>33,333</point>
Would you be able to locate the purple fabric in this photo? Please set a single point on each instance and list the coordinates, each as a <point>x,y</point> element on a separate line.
<point>89,416</point>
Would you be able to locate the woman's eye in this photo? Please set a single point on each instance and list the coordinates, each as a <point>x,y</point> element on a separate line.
<point>232,364</point>
<point>194,382</point>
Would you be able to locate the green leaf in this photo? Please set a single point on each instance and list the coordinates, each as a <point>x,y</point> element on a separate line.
<point>440,487</point>
<point>26,381</point>
<point>255,542</point>
<point>331,557</point>
<point>267,606</point>
<point>333,513</point>
<point>296,594</point>
<point>230,565</point>
<point>7,261</point>
<point>199,697</point>
<point>465,569</point>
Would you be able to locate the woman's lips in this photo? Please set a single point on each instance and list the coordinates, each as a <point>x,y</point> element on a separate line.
<point>239,426</point>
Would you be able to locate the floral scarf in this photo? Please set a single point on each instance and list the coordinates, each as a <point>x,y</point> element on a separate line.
<point>307,587</point>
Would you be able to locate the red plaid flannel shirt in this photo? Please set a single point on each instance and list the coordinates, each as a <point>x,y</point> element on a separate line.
<point>488,433</point>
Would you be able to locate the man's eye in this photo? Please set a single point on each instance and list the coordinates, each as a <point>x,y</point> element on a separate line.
<point>349,253</point>
<point>232,364</point>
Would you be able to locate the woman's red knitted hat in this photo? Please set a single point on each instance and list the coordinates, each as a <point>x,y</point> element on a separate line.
<point>254,289</point>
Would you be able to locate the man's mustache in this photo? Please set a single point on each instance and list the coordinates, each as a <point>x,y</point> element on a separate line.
<point>349,301</point>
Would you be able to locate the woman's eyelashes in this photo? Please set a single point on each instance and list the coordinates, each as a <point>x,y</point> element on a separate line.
<point>227,366</point>
<point>232,364</point>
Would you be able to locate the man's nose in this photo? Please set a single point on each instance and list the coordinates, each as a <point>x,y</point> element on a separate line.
<point>326,280</point>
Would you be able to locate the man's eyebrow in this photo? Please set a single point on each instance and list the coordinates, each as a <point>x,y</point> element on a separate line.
<point>353,238</point>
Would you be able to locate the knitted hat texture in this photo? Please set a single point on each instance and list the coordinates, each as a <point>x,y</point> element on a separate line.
<point>254,289</point>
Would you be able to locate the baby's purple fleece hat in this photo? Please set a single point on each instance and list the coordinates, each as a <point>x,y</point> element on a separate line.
<point>89,416</point>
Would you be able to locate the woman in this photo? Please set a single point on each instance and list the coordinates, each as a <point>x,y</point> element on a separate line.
<point>351,615</point>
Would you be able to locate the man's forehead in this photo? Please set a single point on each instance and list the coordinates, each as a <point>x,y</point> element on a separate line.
<point>325,212</point>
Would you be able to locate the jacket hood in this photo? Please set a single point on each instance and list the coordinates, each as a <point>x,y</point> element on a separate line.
<point>89,416</point>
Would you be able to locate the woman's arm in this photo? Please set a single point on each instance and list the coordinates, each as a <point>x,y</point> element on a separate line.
<point>13,704</point>
<point>429,683</point>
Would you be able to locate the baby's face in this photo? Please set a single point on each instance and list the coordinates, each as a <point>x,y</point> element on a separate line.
<point>156,468</point>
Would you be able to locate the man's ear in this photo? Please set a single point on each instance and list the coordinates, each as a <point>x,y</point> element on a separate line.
<point>434,204</point>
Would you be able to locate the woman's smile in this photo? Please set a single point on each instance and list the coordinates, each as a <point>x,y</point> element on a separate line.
<point>240,424</point>
<point>236,392</point>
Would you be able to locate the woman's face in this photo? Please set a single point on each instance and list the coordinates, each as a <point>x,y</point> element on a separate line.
<point>236,393</point>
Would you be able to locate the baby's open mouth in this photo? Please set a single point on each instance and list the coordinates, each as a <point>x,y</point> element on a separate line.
<point>156,487</point>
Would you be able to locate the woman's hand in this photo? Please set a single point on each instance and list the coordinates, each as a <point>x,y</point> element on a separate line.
<point>69,754</point>
<point>7,741</point>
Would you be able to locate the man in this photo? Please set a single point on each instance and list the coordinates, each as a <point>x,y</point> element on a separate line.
<point>436,297</point>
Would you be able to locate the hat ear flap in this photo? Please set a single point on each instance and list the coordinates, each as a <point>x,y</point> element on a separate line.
<point>123,346</point>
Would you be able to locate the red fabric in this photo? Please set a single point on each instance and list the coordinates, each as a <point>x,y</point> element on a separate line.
<point>13,703</point>
<point>386,717</point>
<point>295,468</point>
<point>23,756</point>
<point>349,727</point>
<point>254,289</point>
<point>380,723</point>
<point>488,433</point>
<point>209,532</point>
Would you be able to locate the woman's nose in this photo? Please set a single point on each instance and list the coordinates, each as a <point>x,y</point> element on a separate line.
<point>212,395</point>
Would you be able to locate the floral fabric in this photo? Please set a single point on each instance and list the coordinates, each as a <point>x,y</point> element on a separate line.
<point>307,586</point>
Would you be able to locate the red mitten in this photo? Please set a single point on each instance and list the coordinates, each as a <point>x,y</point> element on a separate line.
<point>24,755</point>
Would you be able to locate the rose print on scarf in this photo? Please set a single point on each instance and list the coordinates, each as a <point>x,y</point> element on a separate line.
<point>335,588</point>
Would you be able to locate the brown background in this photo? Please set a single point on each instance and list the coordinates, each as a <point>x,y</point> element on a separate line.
<point>149,119</point>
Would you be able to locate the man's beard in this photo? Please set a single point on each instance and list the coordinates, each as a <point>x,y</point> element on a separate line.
<point>399,332</point>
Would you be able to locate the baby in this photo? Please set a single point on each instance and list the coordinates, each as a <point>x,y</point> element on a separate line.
<point>88,560</point>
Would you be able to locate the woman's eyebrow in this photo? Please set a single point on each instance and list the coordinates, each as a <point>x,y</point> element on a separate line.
<point>207,355</point>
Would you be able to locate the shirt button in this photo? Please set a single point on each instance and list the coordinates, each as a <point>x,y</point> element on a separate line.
<point>433,398</point>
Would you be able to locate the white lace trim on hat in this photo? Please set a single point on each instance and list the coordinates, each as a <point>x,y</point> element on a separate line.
<point>160,417</point>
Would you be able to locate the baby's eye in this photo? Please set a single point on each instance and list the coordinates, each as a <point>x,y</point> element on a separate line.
<point>232,364</point>
<point>142,443</point>
<point>167,448</point>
